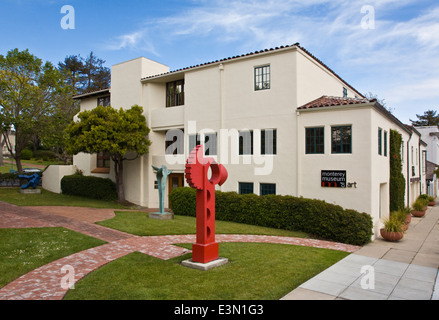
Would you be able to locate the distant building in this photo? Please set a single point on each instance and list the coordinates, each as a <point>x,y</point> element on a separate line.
<point>430,135</point>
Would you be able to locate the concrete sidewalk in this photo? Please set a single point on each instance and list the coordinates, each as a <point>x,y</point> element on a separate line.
<point>381,270</point>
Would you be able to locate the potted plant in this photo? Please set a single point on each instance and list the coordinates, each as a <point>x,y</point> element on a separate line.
<point>392,230</point>
<point>424,199</point>
<point>418,208</point>
<point>431,201</point>
<point>404,217</point>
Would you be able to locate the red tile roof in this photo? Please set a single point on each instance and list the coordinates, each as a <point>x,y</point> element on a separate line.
<point>327,101</point>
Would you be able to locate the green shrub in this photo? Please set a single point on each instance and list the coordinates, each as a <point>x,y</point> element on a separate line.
<point>90,187</point>
<point>316,217</point>
<point>26,154</point>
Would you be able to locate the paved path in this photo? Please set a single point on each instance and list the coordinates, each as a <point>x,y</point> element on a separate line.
<point>46,281</point>
<point>405,270</point>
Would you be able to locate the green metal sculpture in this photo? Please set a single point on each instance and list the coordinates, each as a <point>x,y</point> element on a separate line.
<point>162,176</point>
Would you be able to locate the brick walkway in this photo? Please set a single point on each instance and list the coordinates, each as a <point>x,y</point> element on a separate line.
<point>45,283</point>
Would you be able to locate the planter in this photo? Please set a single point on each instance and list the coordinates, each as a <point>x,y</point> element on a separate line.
<point>408,219</point>
<point>391,236</point>
<point>418,214</point>
<point>432,203</point>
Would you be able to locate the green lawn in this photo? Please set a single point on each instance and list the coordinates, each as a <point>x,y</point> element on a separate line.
<point>23,250</point>
<point>255,272</point>
<point>47,198</point>
<point>26,164</point>
<point>139,224</point>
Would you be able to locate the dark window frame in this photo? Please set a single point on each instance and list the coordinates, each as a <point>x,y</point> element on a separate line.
<point>104,101</point>
<point>103,160</point>
<point>385,143</point>
<point>380,141</point>
<point>244,149</point>
<point>262,78</point>
<point>343,143</point>
<point>264,150</point>
<point>314,140</point>
<point>246,187</point>
<point>173,97</point>
<point>263,192</point>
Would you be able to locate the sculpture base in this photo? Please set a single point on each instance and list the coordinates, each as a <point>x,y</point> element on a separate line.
<point>30,191</point>
<point>204,253</point>
<point>205,266</point>
<point>161,216</point>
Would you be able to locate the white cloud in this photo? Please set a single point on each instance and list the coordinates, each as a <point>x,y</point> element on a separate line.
<point>399,54</point>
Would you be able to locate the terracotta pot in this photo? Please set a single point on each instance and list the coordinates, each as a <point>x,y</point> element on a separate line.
<point>405,227</point>
<point>432,203</point>
<point>418,214</point>
<point>408,219</point>
<point>391,236</point>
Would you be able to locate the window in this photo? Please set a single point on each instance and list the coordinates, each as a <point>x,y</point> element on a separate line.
<point>245,142</point>
<point>315,140</point>
<point>174,142</point>
<point>267,188</point>
<point>341,139</point>
<point>245,187</point>
<point>194,140</point>
<point>385,143</point>
<point>262,78</point>
<point>345,93</point>
<point>104,101</point>
<point>269,141</point>
<point>380,141</point>
<point>175,93</point>
<point>210,143</point>
<point>103,160</point>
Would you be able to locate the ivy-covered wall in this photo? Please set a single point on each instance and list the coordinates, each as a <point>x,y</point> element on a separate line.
<point>397,180</point>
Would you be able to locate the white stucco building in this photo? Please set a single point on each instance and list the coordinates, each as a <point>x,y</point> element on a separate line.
<point>430,134</point>
<point>280,120</point>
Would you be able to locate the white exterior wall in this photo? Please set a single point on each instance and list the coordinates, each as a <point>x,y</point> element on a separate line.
<point>221,96</point>
<point>432,142</point>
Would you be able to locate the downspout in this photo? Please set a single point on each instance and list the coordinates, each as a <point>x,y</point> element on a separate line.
<point>408,170</point>
<point>298,156</point>
<point>221,126</point>
<point>419,167</point>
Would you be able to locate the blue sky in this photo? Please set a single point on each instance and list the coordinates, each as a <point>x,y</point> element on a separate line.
<point>397,59</point>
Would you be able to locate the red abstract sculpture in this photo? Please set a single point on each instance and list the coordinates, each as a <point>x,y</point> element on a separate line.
<point>197,167</point>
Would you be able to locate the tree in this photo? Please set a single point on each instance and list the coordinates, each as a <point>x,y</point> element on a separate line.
<point>120,133</point>
<point>29,91</point>
<point>429,118</point>
<point>86,74</point>
<point>372,96</point>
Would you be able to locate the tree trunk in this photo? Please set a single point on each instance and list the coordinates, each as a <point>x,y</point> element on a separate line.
<point>118,166</point>
<point>18,163</point>
<point>2,143</point>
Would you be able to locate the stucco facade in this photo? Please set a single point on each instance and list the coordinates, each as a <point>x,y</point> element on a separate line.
<point>264,92</point>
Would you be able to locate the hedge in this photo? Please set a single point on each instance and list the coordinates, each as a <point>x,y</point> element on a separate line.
<point>316,217</point>
<point>89,186</point>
